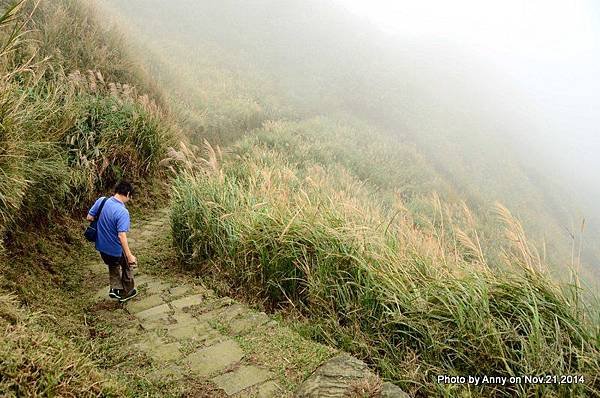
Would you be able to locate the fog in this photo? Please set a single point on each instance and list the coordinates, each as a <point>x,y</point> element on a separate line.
<point>549,51</point>
<point>502,97</point>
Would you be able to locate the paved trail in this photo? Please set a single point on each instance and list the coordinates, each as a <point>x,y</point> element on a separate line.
<point>190,332</point>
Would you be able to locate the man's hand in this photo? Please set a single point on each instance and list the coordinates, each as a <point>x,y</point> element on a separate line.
<point>132,260</point>
<point>128,255</point>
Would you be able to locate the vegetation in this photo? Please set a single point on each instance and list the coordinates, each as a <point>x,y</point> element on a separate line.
<point>75,116</point>
<point>326,217</point>
<point>416,297</point>
<point>227,75</point>
<point>36,362</point>
<point>67,134</point>
<point>337,221</point>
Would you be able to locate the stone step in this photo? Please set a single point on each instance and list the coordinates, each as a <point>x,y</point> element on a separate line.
<point>153,286</point>
<point>215,359</point>
<point>187,302</point>
<point>142,279</point>
<point>223,314</point>
<point>154,313</point>
<point>135,306</point>
<point>166,352</point>
<point>269,389</point>
<point>178,292</point>
<point>247,322</point>
<point>192,330</point>
<point>241,379</point>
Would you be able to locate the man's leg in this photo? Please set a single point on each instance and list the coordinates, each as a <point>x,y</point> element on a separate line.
<point>126,276</point>
<point>114,271</point>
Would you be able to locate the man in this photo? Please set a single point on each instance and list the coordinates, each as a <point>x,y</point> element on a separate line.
<point>111,241</point>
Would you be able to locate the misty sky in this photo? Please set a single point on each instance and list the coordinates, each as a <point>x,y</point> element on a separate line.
<point>549,51</point>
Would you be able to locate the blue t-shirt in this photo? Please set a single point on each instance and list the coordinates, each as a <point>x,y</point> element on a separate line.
<point>113,219</point>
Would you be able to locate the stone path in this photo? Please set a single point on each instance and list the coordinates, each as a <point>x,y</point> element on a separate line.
<point>188,331</point>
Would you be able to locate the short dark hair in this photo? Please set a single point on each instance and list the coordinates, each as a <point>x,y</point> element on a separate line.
<point>124,188</point>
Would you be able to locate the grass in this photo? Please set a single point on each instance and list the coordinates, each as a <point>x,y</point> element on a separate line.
<point>414,297</point>
<point>78,343</point>
<point>68,134</point>
<point>225,84</point>
<point>291,357</point>
<point>320,218</point>
<point>58,349</point>
<point>37,362</point>
<point>76,116</point>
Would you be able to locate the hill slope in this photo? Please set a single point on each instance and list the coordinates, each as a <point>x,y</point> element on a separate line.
<point>313,211</point>
<point>326,208</point>
<point>231,66</point>
<point>72,123</point>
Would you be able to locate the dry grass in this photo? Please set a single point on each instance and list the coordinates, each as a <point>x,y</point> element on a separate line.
<point>35,362</point>
<point>366,388</point>
<point>384,284</point>
<point>67,135</point>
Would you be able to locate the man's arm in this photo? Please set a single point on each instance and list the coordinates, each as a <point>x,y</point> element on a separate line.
<point>128,255</point>
<point>91,216</point>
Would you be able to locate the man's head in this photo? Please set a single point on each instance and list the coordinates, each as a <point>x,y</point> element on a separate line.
<point>124,191</point>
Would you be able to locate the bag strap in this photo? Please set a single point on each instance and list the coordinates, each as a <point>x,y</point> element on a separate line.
<point>101,207</point>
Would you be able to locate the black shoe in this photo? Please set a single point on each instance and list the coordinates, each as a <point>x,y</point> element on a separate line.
<point>115,294</point>
<point>131,295</point>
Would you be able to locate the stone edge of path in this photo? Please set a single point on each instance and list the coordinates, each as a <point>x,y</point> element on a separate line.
<point>344,376</point>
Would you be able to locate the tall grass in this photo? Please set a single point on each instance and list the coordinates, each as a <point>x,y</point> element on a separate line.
<point>416,298</point>
<point>75,116</point>
<point>224,84</point>
<point>68,134</point>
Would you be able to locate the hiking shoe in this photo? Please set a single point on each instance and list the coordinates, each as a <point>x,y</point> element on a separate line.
<point>131,295</point>
<point>115,294</point>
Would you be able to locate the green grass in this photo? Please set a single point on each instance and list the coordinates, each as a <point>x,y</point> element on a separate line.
<point>61,341</point>
<point>331,221</point>
<point>415,298</point>
<point>59,346</point>
<point>69,131</point>
<point>226,77</point>
<point>291,357</point>
<point>37,362</point>
<point>71,124</point>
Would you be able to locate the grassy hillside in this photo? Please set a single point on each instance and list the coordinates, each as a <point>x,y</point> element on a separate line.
<point>70,128</point>
<point>36,362</point>
<point>384,240</point>
<point>76,115</point>
<point>252,64</point>
<point>357,233</point>
<point>386,243</point>
<point>415,296</point>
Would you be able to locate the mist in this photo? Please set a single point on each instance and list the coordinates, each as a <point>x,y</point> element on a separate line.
<point>501,98</point>
<point>546,51</point>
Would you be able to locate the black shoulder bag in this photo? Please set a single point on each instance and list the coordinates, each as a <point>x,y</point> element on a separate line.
<point>91,232</point>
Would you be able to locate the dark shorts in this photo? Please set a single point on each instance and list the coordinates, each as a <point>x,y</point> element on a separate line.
<point>112,261</point>
<point>120,275</point>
